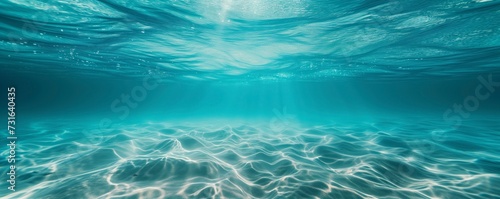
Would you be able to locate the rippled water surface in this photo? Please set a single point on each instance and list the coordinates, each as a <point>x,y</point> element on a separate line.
<point>253,40</point>
<point>252,99</point>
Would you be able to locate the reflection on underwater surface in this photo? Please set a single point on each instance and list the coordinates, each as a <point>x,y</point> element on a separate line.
<point>254,40</point>
<point>395,159</point>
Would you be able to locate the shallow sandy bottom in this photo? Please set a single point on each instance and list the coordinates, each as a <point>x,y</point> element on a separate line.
<point>159,160</point>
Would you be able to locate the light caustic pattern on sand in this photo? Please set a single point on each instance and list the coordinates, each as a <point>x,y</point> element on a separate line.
<point>158,160</point>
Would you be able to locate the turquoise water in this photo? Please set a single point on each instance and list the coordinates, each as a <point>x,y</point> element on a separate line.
<point>252,99</point>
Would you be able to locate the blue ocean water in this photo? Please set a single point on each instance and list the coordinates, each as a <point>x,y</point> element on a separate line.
<point>252,99</point>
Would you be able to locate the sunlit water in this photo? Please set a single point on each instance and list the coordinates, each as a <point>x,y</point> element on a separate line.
<point>160,160</point>
<point>253,99</point>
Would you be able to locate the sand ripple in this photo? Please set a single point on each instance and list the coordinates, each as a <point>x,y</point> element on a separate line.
<point>371,160</point>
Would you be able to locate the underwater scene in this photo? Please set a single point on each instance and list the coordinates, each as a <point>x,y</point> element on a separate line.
<point>234,99</point>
